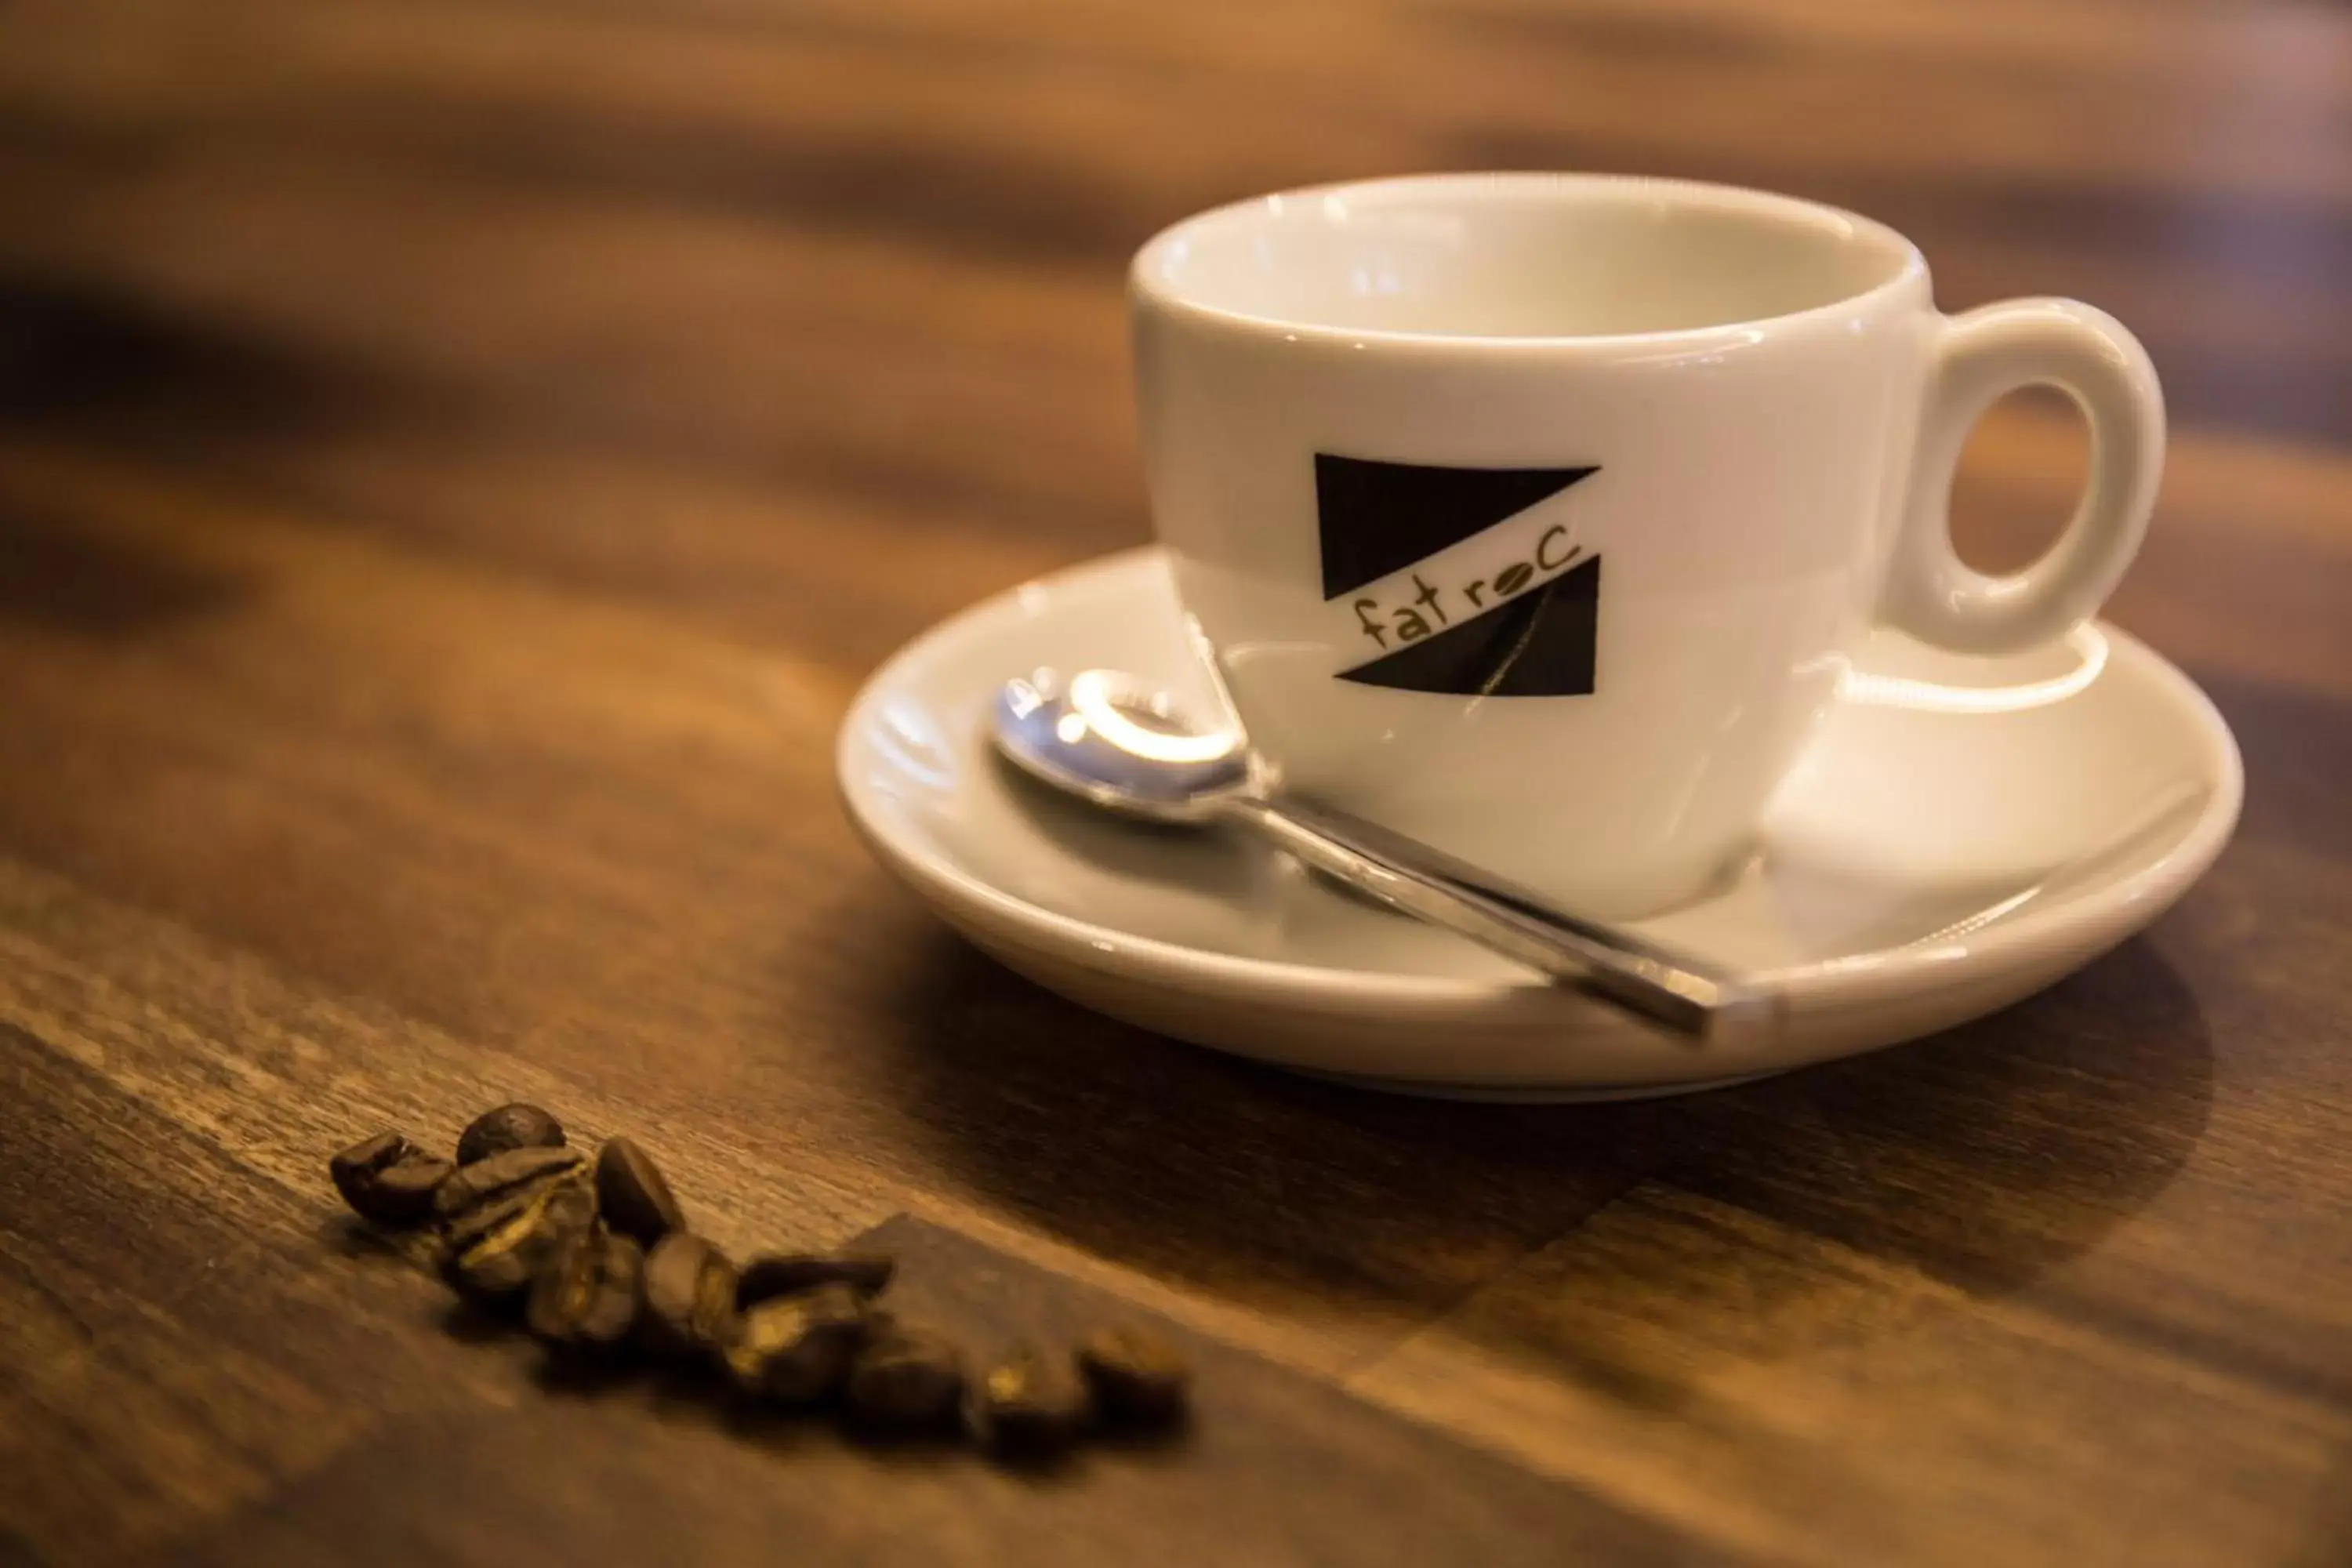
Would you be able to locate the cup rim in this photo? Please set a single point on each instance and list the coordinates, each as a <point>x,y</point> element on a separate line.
<point>1149,285</point>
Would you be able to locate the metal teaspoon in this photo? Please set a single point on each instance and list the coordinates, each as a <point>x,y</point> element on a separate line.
<point>1104,738</point>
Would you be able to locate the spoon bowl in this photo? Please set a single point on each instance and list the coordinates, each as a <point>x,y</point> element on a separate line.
<point>1105,737</point>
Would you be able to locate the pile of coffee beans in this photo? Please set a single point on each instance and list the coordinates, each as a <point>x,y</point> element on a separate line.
<point>596,1261</point>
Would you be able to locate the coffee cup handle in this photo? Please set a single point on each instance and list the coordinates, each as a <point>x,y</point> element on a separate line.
<point>1981,355</point>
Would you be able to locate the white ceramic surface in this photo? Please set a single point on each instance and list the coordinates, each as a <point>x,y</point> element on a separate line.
<point>1961,832</point>
<point>1768,406</point>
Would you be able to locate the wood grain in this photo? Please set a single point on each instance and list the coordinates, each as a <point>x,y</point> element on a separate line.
<point>456,463</point>
<point>653,1471</point>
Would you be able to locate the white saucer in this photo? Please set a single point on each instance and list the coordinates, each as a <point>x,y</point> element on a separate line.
<point>1963,833</point>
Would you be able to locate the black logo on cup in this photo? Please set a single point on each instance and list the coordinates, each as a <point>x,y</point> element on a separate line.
<point>1526,630</point>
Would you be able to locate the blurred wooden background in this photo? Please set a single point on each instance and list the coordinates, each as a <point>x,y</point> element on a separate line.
<point>456,461</point>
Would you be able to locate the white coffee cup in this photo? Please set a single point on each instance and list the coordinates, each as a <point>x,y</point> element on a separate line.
<point>1536,515</point>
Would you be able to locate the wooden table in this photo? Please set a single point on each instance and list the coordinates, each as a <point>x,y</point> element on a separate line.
<point>458,459</point>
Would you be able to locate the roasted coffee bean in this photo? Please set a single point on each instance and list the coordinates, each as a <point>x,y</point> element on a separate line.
<point>506,1129</point>
<point>790,1273</point>
<point>1031,1403</point>
<point>586,1295</point>
<point>365,1158</point>
<point>466,1226</point>
<point>461,1230</point>
<point>631,1196</point>
<point>512,1254</point>
<point>487,1179</point>
<point>1137,1373</point>
<point>906,1380</point>
<point>388,1180</point>
<point>689,1295</point>
<point>796,1348</point>
<point>403,1192</point>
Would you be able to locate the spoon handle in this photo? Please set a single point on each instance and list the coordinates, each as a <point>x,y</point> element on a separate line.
<point>1685,995</point>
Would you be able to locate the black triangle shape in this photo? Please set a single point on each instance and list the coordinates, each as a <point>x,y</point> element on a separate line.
<point>1378,517</point>
<point>1537,644</point>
